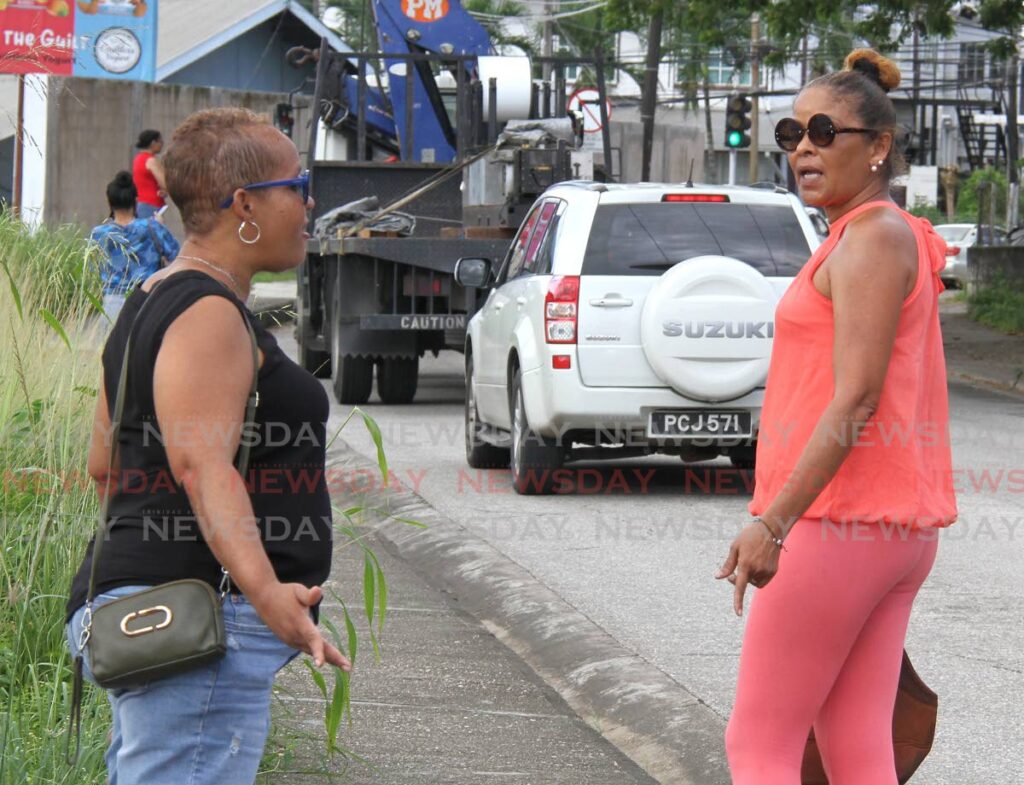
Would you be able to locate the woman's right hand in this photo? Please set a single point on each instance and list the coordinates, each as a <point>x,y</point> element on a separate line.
<point>285,609</point>
<point>753,559</point>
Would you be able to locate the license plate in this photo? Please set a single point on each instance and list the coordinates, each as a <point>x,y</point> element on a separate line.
<point>683,423</point>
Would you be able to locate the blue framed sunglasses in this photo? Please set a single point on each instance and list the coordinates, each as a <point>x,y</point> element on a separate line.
<point>301,182</point>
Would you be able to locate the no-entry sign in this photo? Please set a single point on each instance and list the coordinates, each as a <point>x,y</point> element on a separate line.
<point>588,101</point>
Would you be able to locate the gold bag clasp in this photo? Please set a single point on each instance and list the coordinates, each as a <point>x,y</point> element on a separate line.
<point>169,616</point>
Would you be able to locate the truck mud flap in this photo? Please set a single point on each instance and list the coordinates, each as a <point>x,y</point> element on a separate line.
<point>376,343</point>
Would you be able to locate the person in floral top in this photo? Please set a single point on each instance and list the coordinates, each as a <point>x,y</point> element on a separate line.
<point>131,248</point>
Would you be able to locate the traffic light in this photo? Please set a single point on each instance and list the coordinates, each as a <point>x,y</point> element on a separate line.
<point>737,121</point>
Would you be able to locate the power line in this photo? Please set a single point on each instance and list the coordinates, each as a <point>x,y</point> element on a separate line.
<point>538,17</point>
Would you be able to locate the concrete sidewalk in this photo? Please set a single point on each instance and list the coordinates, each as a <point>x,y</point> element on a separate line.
<point>447,702</point>
<point>978,354</point>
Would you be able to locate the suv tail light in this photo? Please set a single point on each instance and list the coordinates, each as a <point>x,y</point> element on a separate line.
<point>560,309</point>
<point>952,250</point>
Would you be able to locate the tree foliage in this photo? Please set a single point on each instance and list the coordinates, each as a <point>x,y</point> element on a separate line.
<point>837,24</point>
<point>495,12</point>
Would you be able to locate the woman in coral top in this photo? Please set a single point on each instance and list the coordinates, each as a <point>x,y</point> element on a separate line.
<point>853,475</point>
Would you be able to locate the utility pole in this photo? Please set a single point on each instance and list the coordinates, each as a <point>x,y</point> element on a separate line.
<point>546,48</point>
<point>19,150</point>
<point>755,87</point>
<point>1012,139</point>
<point>803,63</point>
<point>710,164</point>
<point>649,99</point>
<point>915,92</point>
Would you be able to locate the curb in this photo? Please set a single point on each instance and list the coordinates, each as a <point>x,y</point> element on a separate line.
<point>984,383</point>
<point>651,718</point>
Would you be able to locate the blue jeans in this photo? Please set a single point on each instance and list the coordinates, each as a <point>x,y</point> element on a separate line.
<point>145,210</point>
<point>207,726</point>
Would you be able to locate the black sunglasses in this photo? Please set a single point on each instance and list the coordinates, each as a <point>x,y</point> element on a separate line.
<point>300,184</point>
<point>820,130</point>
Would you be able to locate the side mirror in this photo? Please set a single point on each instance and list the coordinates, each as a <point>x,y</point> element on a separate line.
<point>473,272</point>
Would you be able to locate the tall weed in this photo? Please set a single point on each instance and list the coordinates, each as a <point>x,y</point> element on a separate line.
<point>48,376</point>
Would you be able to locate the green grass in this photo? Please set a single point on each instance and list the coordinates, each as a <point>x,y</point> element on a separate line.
<point>999,307</point>
<point>55,269</point>
<point>47,511</point>
<point>284,275</point>
<point>960,296</point>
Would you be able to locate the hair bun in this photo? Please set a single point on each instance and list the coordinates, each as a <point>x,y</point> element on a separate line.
<point>876,67</point>
<point>124,179</point>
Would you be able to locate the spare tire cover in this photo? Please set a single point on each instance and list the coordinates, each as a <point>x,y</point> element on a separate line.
<point>707,328</point>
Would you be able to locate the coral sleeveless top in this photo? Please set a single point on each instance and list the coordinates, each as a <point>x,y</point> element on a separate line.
<point>145,182</point>
<point>900,469</point>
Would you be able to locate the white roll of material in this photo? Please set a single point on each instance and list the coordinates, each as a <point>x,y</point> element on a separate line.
<point>515,79</point>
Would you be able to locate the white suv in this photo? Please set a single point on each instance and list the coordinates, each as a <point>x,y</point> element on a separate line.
<point>626,320</point>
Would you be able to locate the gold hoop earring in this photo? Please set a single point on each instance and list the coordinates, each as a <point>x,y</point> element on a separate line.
<point>243,238</point>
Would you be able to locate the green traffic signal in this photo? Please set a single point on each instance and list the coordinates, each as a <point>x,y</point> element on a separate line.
<point>737,121</point>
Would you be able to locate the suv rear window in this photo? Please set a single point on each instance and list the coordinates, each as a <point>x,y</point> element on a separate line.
<point>649,238</point>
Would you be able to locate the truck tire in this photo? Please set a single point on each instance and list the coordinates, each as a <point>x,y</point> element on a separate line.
<point>534,459</point>
<point>352,375</point>
<point>479,454</point>
<point>316,361</point>
<point>353,379</point>
<point>397,378</point>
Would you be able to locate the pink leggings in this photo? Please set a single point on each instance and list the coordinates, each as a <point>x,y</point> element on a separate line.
<point>823,647</point>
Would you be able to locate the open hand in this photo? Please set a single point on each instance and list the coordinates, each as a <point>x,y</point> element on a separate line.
<point>753,559</point>
<point>285,609</point>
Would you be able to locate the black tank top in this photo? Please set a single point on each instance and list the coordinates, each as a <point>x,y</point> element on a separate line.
<point>155,537</point>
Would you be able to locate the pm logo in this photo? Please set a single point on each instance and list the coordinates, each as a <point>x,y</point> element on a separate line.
<point>425,10</point>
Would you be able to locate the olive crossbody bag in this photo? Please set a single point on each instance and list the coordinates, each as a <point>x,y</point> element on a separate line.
<point>162,630</point>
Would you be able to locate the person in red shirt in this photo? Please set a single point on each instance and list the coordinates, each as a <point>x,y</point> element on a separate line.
<point>148,174</point>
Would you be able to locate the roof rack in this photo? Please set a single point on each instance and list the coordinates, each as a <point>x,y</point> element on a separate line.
<point>767,186</point>
<point>590,185</point>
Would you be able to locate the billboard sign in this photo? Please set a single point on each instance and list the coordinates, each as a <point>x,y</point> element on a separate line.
<point>106,40</point>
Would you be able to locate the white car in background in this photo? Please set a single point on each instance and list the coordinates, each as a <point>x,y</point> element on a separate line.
<point>627,320</point>
<point>960,237</point>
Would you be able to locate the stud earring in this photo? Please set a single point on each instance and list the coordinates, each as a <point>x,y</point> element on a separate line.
<point>874,168</point>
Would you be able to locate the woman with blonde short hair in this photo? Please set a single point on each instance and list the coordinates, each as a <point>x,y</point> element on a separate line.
<point>244,201</point>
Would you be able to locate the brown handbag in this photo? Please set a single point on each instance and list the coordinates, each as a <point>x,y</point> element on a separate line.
<point>913,729</point>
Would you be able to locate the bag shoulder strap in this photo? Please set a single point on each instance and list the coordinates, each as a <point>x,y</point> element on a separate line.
<point>241,462</point>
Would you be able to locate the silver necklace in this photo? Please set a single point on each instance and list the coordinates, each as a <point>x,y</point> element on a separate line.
<point>212,266</point>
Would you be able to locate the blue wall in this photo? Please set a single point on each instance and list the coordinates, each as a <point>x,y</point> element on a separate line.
<point>254,60</point>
